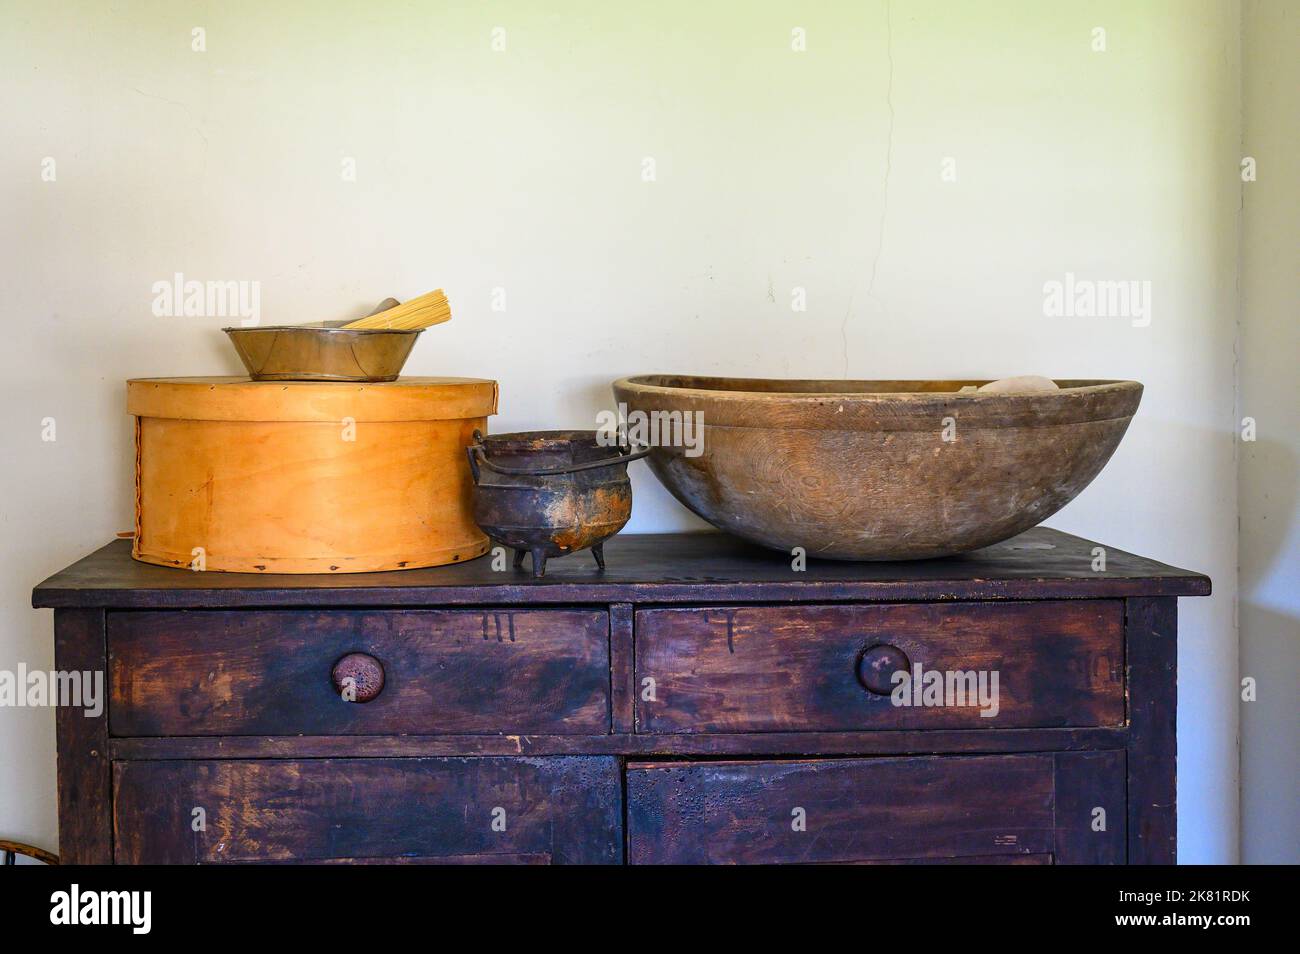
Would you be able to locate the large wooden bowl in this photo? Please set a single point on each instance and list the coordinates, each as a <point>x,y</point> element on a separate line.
<point>861,470</point>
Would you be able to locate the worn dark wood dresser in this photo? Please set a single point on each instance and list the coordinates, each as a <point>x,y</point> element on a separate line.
<point>700,701</point>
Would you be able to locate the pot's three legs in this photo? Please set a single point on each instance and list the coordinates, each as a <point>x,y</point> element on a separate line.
<point>539,559</point>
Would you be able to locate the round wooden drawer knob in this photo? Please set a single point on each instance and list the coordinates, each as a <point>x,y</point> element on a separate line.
<point>877,665</point>
<point>358,677</point>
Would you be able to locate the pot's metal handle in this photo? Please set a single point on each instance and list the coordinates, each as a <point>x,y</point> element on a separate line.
<point>478,458</point>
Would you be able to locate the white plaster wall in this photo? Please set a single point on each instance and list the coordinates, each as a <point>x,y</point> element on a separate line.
<point>1269,612</point>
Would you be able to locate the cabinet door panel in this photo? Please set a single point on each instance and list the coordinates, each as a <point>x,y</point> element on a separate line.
<point>454,810</point>
<point>1009,809</point>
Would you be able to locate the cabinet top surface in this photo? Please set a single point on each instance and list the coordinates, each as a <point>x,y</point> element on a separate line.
<point>661,568</point>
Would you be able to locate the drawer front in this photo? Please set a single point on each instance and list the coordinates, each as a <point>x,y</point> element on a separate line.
<point>484,810</point>
<point>985,809</point>
<point>443,672</point>
<point>830,668</point>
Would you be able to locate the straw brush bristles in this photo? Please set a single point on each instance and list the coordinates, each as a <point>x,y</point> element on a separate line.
<point>423,312</point>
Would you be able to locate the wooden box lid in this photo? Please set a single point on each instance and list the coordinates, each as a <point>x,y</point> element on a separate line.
<point>242,399</point>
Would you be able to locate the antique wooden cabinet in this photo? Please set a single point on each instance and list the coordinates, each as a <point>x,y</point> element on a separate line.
<point>700,701</point>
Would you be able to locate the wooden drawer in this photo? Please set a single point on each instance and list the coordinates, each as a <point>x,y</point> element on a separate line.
<point>1007,809</point>
<point>444,672</point>
<point>545,810</point>
<point>807,668</point>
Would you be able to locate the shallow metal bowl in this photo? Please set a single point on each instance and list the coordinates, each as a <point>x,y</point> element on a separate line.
<point>879,470</point>
<point>303,353</point>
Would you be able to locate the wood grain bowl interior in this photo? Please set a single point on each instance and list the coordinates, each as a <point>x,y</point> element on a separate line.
<point>880,470</point>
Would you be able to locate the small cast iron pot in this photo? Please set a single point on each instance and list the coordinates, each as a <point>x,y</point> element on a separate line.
<point>549,493</point>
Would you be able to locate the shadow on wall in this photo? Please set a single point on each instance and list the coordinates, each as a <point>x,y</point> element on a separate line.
<point>1270,655</point>
<point>1268,538</point>
<point>1270,762</point>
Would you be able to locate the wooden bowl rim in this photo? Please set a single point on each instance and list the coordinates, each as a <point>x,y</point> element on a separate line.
<point>871,408</point>
<point>1067,386</point>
